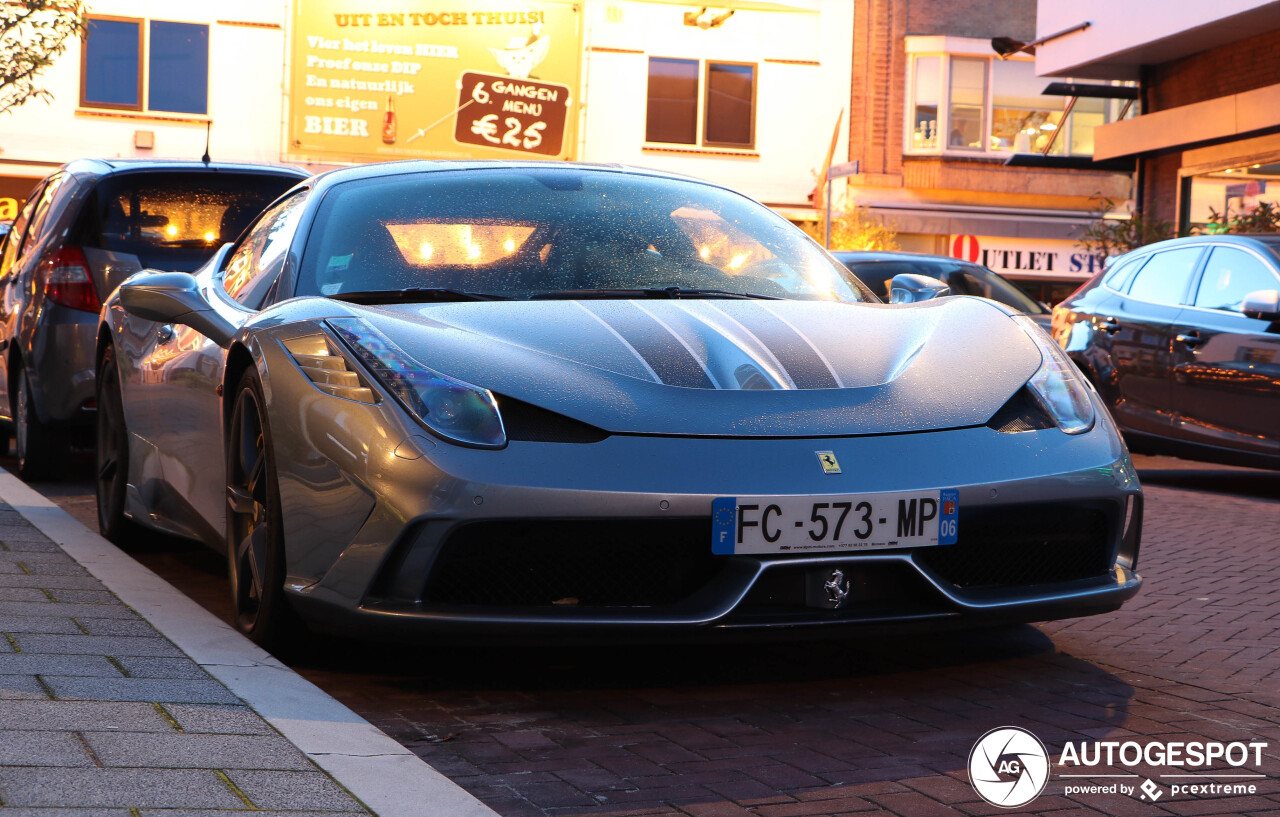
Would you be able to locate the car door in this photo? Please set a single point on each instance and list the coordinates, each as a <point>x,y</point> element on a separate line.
<point>188,427</point>
<point>1226,366</point>
<point>16,248</point>
<point>1141,328</point>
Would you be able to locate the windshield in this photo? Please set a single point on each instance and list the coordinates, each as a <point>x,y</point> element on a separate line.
<point>561,233</point>
<point>962,278</point>
<point>174,220</point>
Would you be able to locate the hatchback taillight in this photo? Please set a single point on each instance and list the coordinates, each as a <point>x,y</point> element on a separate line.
<point>67,282</point>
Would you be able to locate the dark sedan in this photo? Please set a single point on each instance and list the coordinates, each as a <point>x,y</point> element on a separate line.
<point>876,270</point>
<point>1182,339</point>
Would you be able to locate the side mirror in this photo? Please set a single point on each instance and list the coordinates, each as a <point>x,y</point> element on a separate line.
<point>174,297</point>
<point>910,288</point>
<point>1263,304</point>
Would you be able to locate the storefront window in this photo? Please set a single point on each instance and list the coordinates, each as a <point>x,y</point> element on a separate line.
<point>1212,200</point>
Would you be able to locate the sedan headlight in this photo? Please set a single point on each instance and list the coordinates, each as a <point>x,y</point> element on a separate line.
<point>1057,384</point>
<point>452,409</point>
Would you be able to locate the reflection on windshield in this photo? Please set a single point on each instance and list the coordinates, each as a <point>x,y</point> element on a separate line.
<point>176,219</point>
<point>521,233</point>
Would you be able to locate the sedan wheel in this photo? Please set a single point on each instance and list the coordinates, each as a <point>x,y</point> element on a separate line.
<point>113,452</point>
<point>255,549</point>
<point>42,451</point>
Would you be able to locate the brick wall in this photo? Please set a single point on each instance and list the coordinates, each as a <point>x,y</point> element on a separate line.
<point>973,18</point>
<point>876,110</point>
<point>1228,69</point>
<point>1160,186</point>
<point>879,83</point>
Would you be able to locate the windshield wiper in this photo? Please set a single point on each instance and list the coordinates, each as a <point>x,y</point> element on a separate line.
<point>674,293</point>
<point>411,295</point>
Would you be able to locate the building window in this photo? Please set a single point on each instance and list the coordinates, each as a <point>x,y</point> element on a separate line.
<point>176,57</point>
<point>967,103</point>
<point>976,105</point>
<point>1213,200</point>
<point>924,131</point>
<point>720,113</point>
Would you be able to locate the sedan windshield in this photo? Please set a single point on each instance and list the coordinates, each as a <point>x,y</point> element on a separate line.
<point>962,278</point>
<point>556,233</point>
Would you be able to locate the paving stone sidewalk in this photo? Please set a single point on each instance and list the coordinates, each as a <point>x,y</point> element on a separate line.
<point>102,716</point>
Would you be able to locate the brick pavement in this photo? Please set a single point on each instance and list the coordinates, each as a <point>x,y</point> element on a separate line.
<point>872,727</point>
<point>102,716</point>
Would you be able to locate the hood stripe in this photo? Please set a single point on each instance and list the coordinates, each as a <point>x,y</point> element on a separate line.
<point>657,345</point>
<point>639,357</point>
<point>807,367</point>
<point>763,358</point>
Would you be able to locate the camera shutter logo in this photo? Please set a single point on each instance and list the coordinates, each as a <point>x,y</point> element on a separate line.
<point>1009,767</point>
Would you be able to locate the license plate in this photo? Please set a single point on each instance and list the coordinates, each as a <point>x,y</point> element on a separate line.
<point>805,524</point>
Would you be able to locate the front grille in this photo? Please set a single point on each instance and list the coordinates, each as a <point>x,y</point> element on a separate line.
<point>876,590</point>
<point>1024,545</point>
<point>576,563</point>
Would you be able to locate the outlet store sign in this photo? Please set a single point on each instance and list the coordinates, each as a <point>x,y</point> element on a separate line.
<point>1026,257</point>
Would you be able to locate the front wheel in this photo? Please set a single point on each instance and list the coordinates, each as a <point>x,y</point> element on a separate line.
<point>255,537</point>
<point>42,450</point>
<point>113,453</point>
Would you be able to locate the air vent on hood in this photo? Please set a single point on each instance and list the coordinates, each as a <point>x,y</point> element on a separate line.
<point>328,370</point>
<point>529,423</point>
<point>1022,413</point>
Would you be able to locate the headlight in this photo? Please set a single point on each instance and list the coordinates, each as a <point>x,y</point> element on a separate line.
<point>450,408</point>
<point>1057,383</point>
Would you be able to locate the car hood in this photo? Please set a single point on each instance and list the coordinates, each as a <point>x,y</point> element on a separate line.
<point>727,367</point>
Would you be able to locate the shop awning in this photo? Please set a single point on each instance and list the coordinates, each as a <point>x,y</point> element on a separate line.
<point>991,221</point>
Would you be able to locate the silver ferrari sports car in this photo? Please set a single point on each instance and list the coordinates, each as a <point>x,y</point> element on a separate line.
<point>556,400</point>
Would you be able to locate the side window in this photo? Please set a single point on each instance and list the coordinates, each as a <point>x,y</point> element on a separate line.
<point>1230,275</point>
<point>41,213</point>
<point>257,262</point>
<point>1118,277</point>
<point>1164,278</point>
<point>962,283</point>
<point>18,232</point>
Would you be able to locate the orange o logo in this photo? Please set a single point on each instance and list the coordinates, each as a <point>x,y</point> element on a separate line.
<point>966,247</point>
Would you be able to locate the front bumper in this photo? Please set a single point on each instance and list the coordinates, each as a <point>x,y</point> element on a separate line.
<point>580,540</point>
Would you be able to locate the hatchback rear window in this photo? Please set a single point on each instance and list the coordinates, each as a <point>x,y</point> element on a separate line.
<point>175,220</point>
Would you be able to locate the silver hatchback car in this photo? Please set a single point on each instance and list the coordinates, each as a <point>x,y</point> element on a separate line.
<point>82,231</point>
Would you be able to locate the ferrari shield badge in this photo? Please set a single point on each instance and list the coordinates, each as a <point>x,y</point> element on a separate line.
<point>830,465</point>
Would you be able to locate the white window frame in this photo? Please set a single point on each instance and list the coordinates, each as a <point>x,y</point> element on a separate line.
<point>945,48</point>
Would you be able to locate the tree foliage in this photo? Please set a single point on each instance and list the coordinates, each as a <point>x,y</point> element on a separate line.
<point>1105,237</point>
<point>33,33</point>
<point>855,229</point>
<point>1263,218</point>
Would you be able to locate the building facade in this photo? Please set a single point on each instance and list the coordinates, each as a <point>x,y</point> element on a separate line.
<point>745,93</point>
<point>1207,143</point>
<point>162,79</point>
<point>940,125</point>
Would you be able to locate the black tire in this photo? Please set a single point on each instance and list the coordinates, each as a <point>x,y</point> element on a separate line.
<point>42,450</point>
<point>112,472</point>
<point>255,537</point>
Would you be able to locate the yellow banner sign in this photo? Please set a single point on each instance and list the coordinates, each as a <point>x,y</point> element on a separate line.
<point>434,80</point>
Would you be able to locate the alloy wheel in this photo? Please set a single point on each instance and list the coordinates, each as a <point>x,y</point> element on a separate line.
<point>249,511</point>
